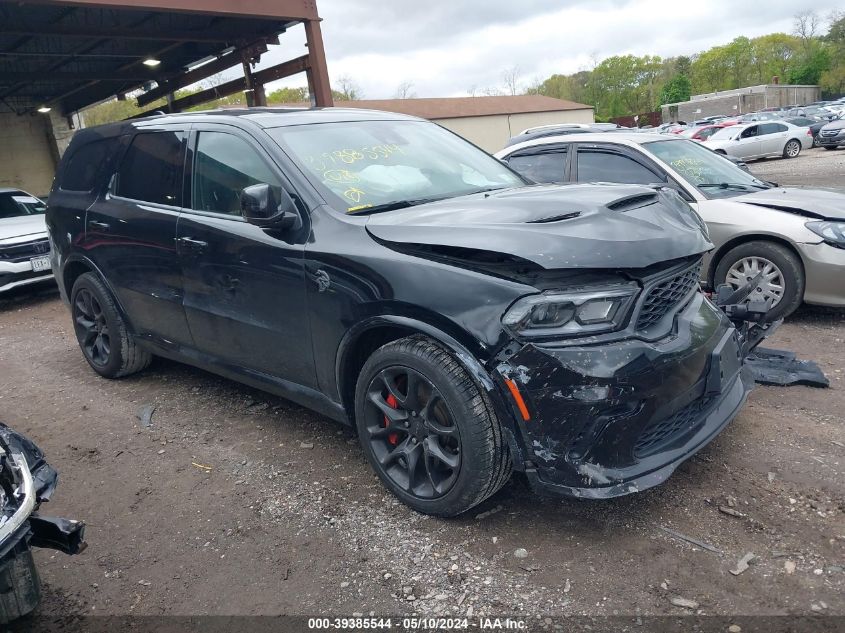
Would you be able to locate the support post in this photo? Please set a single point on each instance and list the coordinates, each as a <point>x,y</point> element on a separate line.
<point>318,72</point>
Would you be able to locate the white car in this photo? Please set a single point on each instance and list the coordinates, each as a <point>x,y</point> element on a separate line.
<point>24,246</point>
<point>765,139</point>
<point>795,237</point>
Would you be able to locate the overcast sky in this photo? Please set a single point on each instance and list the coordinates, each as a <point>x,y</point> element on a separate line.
<point>449,47</point>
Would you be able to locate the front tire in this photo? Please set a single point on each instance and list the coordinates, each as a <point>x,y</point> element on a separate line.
<point>783,274</point>
<point>428,430</point>
<point>792,149</point>
<point>101,331</point>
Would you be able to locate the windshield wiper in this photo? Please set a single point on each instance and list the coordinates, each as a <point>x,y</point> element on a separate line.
<point>391,206</point>
<point>402,204</point>
<point>736,186</point>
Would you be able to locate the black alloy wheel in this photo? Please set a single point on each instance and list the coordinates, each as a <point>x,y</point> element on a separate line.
<point>412,432</point>
<point>103,335</point>
<point>429,431</point>
<point>92,330</point>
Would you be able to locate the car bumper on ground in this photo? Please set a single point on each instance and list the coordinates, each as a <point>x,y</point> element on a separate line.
<point>613,419</point>
<point>824,266</point>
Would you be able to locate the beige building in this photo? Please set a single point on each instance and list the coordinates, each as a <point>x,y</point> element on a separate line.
<point>486,121</point>
<point>739,101</point>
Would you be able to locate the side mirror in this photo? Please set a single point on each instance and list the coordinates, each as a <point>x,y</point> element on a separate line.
<point>269,207</point>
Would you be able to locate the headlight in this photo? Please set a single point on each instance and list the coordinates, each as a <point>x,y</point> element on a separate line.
<point>556,313</point>
<point>831,232</point>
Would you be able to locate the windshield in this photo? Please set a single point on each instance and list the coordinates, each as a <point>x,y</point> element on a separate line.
<point>367,166</point>
<point>713,175</point>
<point>14,204</point>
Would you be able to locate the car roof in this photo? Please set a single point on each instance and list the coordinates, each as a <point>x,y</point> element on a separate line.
<point>263,117</point>
<point>11,190</point>
<point>619,138</point>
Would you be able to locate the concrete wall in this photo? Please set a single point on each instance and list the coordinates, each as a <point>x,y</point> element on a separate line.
<point>30,149</point>
<point>27,153</point>
<point>492,132</point>
<point>740,101</point>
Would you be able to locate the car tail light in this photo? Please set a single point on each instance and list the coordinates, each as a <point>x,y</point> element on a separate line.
<point>809,132</point>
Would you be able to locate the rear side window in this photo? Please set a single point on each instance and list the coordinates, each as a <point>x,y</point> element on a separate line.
<point>600,166</point>
<point>84,165</point>
<point>151,169</point>
<point>543,167</point>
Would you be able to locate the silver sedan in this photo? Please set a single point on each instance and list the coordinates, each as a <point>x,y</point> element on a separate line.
<point>795,237</point>
<point>764,139</point>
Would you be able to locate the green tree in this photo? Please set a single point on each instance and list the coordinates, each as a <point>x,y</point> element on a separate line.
<point>288,95</point>
<point>677,89</point>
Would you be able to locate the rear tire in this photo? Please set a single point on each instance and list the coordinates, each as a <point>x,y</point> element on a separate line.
<point>792,149</point>
<point>789,268</point>
<point>444,452</point>
<point>101,331</point>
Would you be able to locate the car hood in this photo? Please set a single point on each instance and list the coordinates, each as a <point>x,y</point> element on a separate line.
<point>560,226</point>
<point>812,203</point>
<point>835,125</point>
<point>22,227</point>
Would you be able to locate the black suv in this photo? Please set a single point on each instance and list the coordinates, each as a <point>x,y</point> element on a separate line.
<point>383,271</point>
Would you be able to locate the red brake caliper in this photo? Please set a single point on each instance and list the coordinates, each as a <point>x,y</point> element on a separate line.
<point>393,438</point>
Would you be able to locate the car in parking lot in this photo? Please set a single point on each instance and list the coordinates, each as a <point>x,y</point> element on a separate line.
<point>796,237</point>
<point>24,247</point>
<point>832,135</point>
<point>813,124</point>
<point>761,140</point>
<point>381,270</point>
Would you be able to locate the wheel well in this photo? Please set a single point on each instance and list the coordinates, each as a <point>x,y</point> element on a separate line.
<point>362,348</point>
<point>72,272</point>
<point>744,239</point>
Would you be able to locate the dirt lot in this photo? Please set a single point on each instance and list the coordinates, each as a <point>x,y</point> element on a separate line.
<point>236,502</point>
<point>817,167</point>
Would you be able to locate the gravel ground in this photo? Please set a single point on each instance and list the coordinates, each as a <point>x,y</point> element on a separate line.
<point>236,502</point>
<point>816,167</point>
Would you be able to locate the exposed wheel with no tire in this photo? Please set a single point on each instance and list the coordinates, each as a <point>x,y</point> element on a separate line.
<point>101,332</point>
<point>783,274</point>
<point>792,149</point>
<point>427,428</point>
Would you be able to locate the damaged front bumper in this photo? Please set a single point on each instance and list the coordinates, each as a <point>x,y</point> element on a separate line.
<point>27,480</point>
<point>615,418</point>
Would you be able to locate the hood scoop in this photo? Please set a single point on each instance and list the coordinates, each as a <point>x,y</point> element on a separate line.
<point>636,201</point>
<point>556,218</point>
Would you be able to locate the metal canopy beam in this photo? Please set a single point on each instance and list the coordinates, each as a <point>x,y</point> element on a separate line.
<point>202,72</point>
<point>90,50</point>
<point>262,77</point>
<point>292,9</point>
<point>211,36</point>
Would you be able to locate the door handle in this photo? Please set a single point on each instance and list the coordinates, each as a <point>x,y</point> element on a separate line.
<point>95,224</point>
<point>192,245</point>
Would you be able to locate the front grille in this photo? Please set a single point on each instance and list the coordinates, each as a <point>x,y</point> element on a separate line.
<point>830,132</point>
<point>660,433</point>
<point>665,296</point>
<point>25,251</point>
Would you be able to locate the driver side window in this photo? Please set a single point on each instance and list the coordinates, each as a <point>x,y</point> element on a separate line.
<point>223,166</point>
